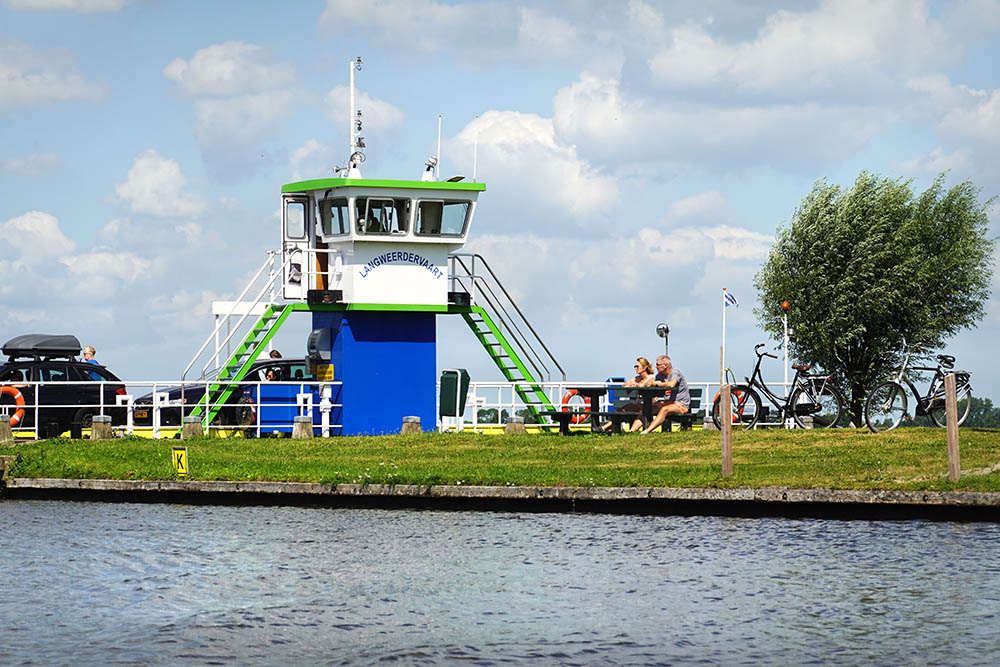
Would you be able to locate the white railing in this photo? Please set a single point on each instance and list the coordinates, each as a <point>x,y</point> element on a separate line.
<point>155,407</point>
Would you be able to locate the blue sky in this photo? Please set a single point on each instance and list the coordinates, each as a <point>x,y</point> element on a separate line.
<point>638,156</point>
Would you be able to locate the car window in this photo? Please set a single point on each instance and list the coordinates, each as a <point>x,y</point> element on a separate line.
<point>56,373</point>
<point>97,374</point>
<point>14,375</point>
<point>299,372</point>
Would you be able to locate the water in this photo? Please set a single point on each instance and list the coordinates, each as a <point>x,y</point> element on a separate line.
<point>91,583</point>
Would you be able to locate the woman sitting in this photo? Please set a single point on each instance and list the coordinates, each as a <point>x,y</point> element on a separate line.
<point>643,378</point>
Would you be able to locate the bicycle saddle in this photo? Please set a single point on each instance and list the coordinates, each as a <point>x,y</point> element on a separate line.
<point>801,367</point>
<point>946,360</point>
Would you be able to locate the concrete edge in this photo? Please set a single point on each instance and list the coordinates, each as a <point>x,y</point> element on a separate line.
<point>603,495</point>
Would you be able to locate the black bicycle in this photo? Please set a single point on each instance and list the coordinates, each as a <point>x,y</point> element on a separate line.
<point>813,402</point>
<point>885,407</point>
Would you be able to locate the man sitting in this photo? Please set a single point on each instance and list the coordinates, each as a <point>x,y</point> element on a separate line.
<point>677,398</point>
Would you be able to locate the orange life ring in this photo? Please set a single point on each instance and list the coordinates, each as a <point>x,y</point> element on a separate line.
<point>18,397</point>
<point>579,417</point>
<point>737,415</point>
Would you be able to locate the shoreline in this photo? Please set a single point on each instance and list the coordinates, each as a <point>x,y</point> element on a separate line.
<point>740,502</point>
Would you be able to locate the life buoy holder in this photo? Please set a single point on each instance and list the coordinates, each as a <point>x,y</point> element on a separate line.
<point>18,397</point>
<point>581,416</point>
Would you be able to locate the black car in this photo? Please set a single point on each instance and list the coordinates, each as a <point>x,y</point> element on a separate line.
<point>58,402</point>
<point>235,412</point>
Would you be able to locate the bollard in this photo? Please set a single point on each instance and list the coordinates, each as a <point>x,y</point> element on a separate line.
<point>951,417</point>
<point>411,425</point>
<point>726,419</point>
<point>192,427</point>
<point>302,426</point>
<point>515,425</point>
<point>100,427</point>
<point>6,434</point>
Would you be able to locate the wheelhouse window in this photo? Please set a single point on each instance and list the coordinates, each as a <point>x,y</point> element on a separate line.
<point>382,216</point>
<point>442,218</point>
<point>334,216</point>
<point>295,220</point>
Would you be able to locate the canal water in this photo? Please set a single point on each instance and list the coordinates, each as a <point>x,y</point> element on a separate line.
<point>89,583</point>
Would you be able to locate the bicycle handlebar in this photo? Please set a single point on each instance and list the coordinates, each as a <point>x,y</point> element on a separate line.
<point>773,356</point>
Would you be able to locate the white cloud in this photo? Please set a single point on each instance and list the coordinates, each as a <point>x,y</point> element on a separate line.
<point>113,266</point>
<point>32,164</point>
<point>601,121</point>
<point>839,49</point>
<point>938,161</point>
<point>521,151</point>
<point>306,158</point>
<point>376,114</point>
<point>227,70</point>
<point>699,206</point>
<point>238,91</point>
<point>82,6</point>
<point>30,76</point>
<point>36,237</point>
<point>155,186</point>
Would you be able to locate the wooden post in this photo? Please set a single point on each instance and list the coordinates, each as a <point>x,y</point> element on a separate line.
<point>6,434</point>
<point>411,425</point>
<point>514,425</point>
<point>100,427</point>
<point>726,417</point>
<point>951,416</point>
<point>192,427</point>
<point>302,426</point>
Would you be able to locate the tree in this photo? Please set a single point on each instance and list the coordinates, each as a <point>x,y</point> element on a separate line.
<point>867,267</point>
<point>982,414</point>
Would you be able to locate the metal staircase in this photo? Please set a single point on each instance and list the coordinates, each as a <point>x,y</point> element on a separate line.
<point>246,354</point>
<point>503,330</point>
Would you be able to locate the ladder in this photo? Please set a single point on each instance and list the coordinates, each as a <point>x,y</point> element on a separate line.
<point>235,369</point>
<point>503,330</point>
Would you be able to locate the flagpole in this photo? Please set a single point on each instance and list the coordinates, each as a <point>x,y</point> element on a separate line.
<point>722,367</point>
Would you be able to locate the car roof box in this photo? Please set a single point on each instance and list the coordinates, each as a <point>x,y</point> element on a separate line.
<point>42,345</point>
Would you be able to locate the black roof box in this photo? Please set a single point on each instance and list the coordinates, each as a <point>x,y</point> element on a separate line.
<point>42,345</point>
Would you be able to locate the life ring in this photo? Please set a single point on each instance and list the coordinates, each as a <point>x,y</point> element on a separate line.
<point>737,415</point>
<point>18,397</point>
<point>581,416</point>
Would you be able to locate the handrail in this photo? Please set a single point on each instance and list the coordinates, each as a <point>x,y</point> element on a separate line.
<point>486,289</point>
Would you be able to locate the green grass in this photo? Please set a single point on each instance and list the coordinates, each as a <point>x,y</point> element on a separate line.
<point>911,458</point>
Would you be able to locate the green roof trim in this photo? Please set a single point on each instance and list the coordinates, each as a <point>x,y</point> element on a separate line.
<point>327,183</point>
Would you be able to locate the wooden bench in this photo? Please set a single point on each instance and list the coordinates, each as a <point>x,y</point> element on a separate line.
<point>695,412</point>
<point>616,418</point>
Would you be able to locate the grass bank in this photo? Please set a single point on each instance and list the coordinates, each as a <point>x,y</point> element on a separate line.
<point>910,459</point>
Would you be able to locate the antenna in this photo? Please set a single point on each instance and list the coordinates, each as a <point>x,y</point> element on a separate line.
<point>437,167</point>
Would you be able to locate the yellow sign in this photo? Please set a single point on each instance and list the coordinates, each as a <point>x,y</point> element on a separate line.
<point>324,372</point>
<point>180,459</point>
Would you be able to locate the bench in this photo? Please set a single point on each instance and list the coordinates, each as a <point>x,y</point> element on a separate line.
<point>695,412</point>
<point>617,419</point>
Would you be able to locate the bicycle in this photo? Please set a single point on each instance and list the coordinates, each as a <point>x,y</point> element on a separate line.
<point>813,401</point>
<point>886,406</point>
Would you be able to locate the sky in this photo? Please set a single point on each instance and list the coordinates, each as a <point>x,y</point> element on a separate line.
<point>638,156</point>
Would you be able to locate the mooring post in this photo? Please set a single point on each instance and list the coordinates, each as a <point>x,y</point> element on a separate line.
<point>515,425</point>
<point>951,416</point>
<point>411,425</point>
<point>6,434</point>
<point>100,427</point>
<point>726,417</point>
<point>192,427</point>
<point>302,426</point>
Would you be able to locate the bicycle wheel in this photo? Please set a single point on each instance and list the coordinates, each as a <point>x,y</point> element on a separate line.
<point>816,409</point>
<point>745,406</point>
<point>963,401</point>
<point>885,407</point>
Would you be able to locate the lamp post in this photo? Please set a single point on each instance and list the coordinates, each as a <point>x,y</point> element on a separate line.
<point>663,331</point>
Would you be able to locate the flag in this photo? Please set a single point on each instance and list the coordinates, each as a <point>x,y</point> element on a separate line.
<point>731,300</point>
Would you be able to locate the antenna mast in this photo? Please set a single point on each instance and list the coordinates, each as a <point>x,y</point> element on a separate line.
<point>356,157</point>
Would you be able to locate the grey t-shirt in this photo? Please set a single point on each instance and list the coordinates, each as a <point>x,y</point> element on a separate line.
<point>680,393</point>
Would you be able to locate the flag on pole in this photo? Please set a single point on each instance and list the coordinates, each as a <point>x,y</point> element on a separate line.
<point>730,299</point>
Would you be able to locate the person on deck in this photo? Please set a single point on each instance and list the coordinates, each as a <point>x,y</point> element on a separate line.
<point>677,398</point>
<point>88,357</point>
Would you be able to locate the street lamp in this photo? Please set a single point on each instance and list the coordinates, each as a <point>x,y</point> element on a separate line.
<point>663,331</point>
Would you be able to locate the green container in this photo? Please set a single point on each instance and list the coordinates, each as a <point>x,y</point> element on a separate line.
<point>454,390</point>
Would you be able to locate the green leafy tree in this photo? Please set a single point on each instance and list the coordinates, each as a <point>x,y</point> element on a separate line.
<point>866,267</point>
<point>982,414</point>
